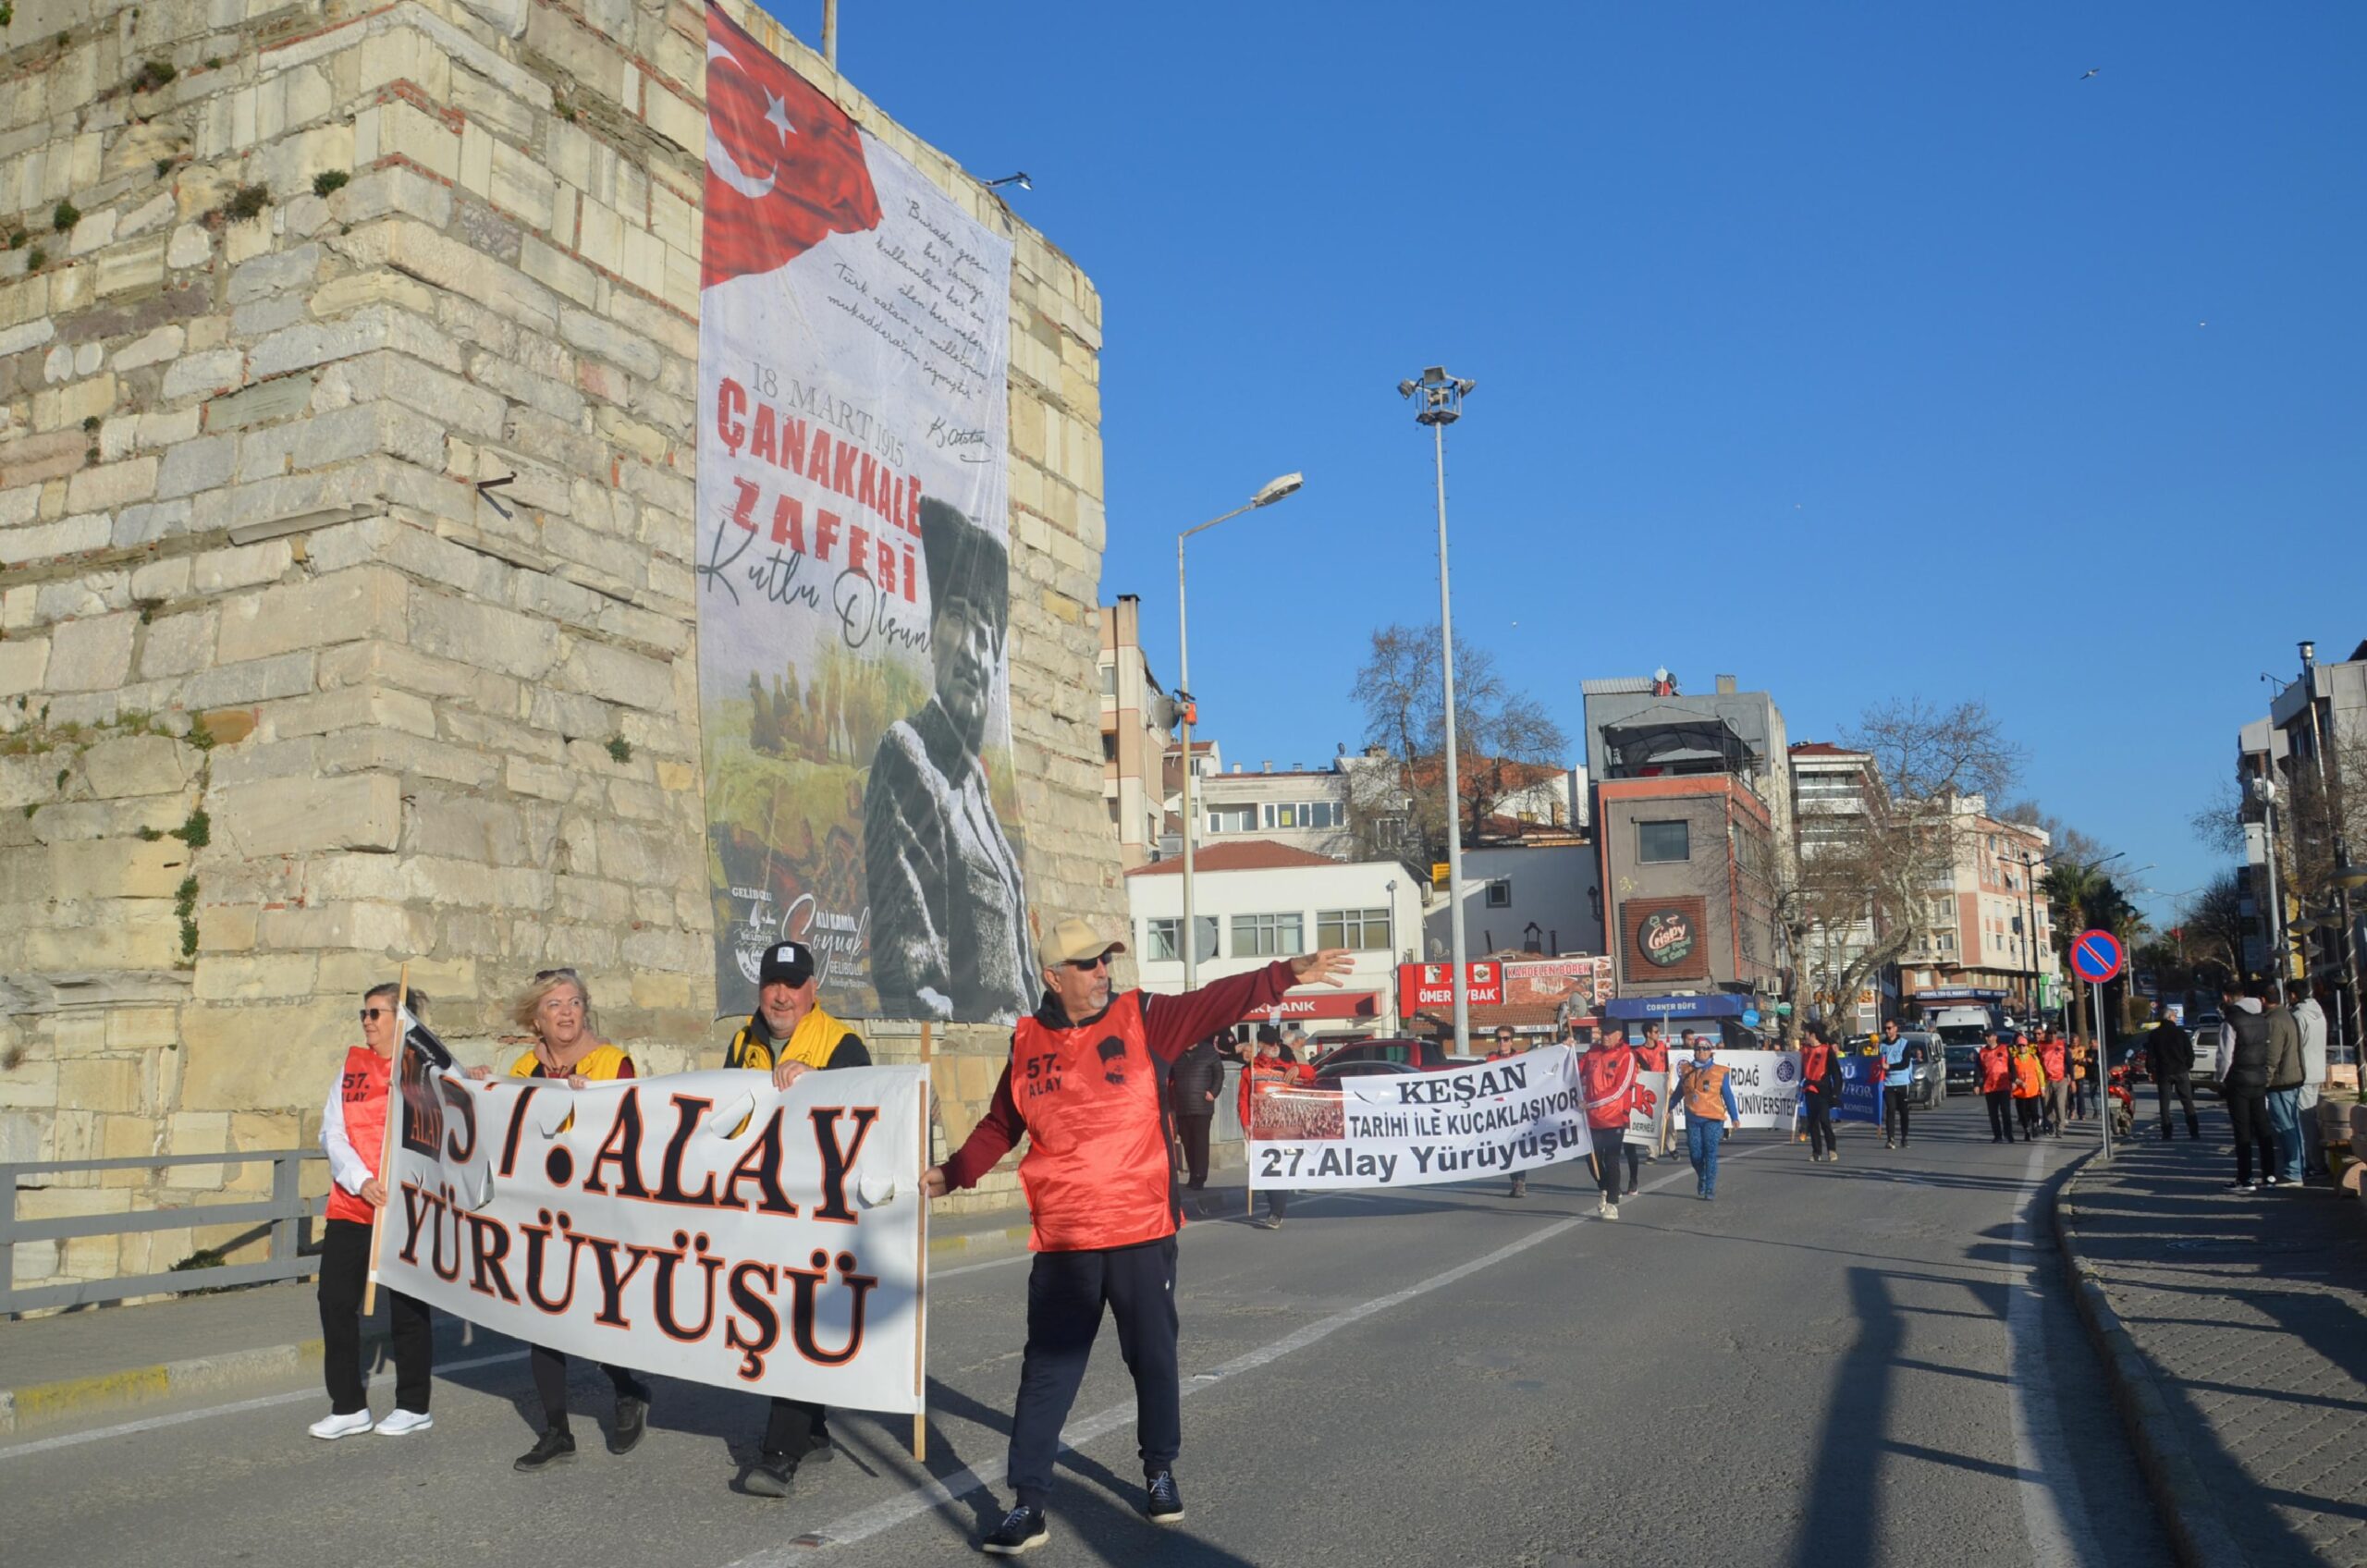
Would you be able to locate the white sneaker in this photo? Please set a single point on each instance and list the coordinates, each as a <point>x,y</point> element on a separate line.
<point>331,1427</point>
<point>402,1421</point>
<point>1611,1211</point>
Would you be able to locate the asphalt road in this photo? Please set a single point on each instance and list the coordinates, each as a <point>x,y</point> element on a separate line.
<point>1873,1362</point>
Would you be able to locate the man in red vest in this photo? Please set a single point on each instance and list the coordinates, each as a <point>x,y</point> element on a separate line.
<point>1082,1085</point>
<point>1607,1083</point>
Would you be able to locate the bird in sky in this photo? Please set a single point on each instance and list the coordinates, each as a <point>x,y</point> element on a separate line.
<point>2089,73</point>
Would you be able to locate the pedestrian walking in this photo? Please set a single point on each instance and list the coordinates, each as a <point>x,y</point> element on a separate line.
<point>1192,1089</point>
<point>1996,1067</point>
<point>2053,1060</point>
<point>2242,1063</point>
<point>2169,1056</point>
<point>2029,1088</point>
<point>2310,1018</point>
<point>1269,1071</point>
<point>1651,1056</point>
<point>1508,1044</point>
<point>1082,1087</point>
<point>790,1034</point>
<point>2285,1077</point>
<point>1710,1111</point>
<point>1607,1086</point>
<point>1820,1092</point>
<point>354,1134</point>
<point>1900,1058</point>
<point>557,1010</point>
<point>2083,1080</point>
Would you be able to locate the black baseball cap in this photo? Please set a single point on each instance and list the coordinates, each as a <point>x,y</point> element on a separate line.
<point>790,964</point>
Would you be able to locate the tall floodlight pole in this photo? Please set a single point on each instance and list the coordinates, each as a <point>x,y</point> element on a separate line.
<point>1437,398</point>
<point>1187,709</point>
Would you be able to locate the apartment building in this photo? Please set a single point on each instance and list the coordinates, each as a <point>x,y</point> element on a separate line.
<point>1989,925</point>
<point>1134,742</point>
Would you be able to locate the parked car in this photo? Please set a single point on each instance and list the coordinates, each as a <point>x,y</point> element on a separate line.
<point>1931,1085</point>
<point>1422,1056</point>
<point>1331,1075</point>
<point>1963,1068</point>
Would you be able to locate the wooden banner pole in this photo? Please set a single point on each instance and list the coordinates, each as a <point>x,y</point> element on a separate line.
<point>920,1270</point>
<point>387,1142</point>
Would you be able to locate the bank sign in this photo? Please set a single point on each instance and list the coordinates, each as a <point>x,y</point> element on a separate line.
<point>1432,985</point>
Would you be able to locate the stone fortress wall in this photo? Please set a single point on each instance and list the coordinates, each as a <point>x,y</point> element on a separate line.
<point>284,698</point>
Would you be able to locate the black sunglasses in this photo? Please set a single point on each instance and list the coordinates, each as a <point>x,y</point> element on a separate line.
<point>543,974</point>
<point>1088,966</point>
<point>370,1013</point>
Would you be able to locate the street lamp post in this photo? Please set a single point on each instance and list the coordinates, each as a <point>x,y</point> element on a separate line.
<point>1437,398</point>
<point>1268,494</point>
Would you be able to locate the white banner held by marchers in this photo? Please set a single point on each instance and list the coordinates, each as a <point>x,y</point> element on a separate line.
<point>1766,1084</point>
<point>1416,1129</point>
<point>705,1226</point>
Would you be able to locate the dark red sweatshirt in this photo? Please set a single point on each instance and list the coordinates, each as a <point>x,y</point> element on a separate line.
<point>1172,1023</point>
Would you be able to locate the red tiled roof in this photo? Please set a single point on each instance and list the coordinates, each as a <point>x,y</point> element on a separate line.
<point>1823,749</point>
<point>1238,854</point>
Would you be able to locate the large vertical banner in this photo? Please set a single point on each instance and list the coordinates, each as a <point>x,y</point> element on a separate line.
<point>854,563</point>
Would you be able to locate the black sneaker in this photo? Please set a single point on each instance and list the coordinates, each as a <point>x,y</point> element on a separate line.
<point>2241,1187</point>
<point>772,1476</point>
<point>1022,1529</point>
<point>817,1450</point>
<point>632,1419</point>
<point>1163,1501</point>
<point>551,1447</point>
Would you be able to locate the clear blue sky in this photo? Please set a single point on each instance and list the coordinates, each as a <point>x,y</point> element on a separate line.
<point>1856,350</point>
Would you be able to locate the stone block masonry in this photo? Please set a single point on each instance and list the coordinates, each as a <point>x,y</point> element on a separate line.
<point>286,699</point>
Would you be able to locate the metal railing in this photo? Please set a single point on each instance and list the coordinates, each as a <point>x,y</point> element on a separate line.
<point>285,1211</point>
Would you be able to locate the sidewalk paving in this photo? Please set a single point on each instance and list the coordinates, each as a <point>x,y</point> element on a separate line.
<point>73,1364</point>
<point>2235,1325</point>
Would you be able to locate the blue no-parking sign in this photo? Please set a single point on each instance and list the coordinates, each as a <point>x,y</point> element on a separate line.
<point>2096,955</point>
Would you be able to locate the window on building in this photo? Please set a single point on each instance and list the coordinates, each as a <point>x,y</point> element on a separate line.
<point>1268,936</point>
<point>1361,930</point>
<point>1304,814</point>
<point>1387,832</point>
<point>1500,892</point>
<point>1658,842</point>
<point>1109,680</point>
<point>1164,942</point>
<point>1234,819</point>
<point>1109,748</point>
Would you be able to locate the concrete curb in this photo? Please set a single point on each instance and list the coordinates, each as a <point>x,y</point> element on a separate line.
<point>2179,1485</point>
<point>42,1404</point>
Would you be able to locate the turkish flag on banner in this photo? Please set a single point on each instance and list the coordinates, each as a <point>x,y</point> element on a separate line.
<point>784,164</point>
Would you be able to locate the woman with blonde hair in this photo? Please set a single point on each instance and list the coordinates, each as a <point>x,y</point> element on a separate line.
<point>557,1010</point>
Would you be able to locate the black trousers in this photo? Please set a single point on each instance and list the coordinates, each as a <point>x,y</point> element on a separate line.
<point>1635,1153</point>
<point>2181,1085</point>
<point>1066,1294</point>
<point>1193,1132</point>
<point>792,1425</point>
<point>1895,1114</point>
<point>550,1384</point>
<point>345,1271</point>
<point>1820,1120</point>
<point>1608,1141</point>
<point>2249,1111</point>
<point>2001,1114</point>
<point>2028,1109</point>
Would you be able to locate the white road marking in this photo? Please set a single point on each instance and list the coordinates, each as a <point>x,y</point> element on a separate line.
<point>182,1418</point>
<point>2054,1514</point>
<point>927,1497</point>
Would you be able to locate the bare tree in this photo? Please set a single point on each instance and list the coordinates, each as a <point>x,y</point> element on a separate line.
<point>1862,896</point>
<point>1397,795</point>
<point>2210,927</point>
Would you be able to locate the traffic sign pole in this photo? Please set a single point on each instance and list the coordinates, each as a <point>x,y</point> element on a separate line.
<point>2096,957</point>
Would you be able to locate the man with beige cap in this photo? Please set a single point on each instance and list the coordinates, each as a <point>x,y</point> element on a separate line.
<point>1085,1086</point>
